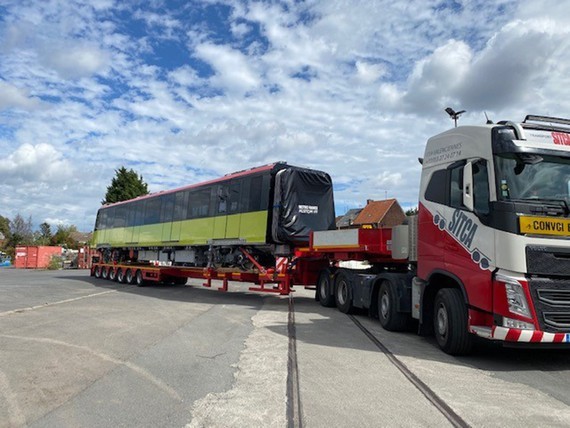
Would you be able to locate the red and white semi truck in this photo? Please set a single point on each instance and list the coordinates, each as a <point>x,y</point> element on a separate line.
<point>487,255</point>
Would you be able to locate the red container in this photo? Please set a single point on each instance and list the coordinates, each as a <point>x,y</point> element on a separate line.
<point>34,257</point>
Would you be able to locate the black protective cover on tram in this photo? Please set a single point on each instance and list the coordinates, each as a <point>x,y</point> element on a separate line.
<point>303,202</point>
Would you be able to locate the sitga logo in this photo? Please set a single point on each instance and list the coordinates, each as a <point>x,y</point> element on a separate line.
<point>463,230</point>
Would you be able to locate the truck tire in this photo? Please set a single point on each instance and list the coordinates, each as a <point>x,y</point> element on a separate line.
<point>97,271</point>
<point>112,274</point>
<point>129,278</point>
<point>388,314</point>
<point>104,272</point>
<point>450,322</point>
<point>120,277</point>
<point>139,280</point>
<point>324,289</point>
<point>343,293</point>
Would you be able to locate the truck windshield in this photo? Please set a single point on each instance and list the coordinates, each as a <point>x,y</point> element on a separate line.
<point>529,176</point>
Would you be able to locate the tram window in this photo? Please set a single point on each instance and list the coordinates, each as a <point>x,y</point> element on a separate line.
<point>120,214</point>
<point>152,211</point>
<point>134,209</point>
<point>139,213</point>
<point>222,199</point>
<point>255,194</point>
<point>167,208</point>
<point>199,203</point>
<point>109,221</point>
<point>180,205</point>
<point>99,220</point>
<point>234,197</point>
<point>264,196</point>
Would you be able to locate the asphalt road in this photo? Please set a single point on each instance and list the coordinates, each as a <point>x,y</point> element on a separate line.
<point>80,352</point>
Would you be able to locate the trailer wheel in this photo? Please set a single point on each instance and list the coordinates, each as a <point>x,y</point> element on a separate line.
<point>388,314</point>
<point>97,271</point>
<point>324,289</point>
<point>450,322</point>
<point>104,272</point>
<point>139,280</point>
<point>342,294</point>
<point>112,274</point>
<point>120,275</point>
<point>129,279</point>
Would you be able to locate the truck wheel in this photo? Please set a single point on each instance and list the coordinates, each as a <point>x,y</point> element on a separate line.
<point>120,277</point>
<point>450,322</point>
<point>129,279</point>
<point>139,280</point>
<point>342,294</point>
<point>104,272</point>
<point>112,274</point>
<point>324,289</point>
<point>388,314</point>
<point>97,271</point>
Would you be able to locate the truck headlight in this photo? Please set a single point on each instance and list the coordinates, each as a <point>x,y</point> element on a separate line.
<point>516,298</point>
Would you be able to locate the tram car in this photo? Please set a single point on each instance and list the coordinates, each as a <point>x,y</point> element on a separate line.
<point>265,211</point>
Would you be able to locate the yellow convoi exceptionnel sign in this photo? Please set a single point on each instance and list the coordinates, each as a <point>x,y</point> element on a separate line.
<point>544,226</point>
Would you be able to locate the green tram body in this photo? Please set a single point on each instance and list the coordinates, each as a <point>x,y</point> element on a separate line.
<point>235,211</point>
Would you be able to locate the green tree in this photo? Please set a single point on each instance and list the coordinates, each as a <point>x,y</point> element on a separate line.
<point>64,236</point>
<point>44,236</point>
<point>5,227</point>
<point>126,184</point>
<point>21,231</point>
<point>412,211</point>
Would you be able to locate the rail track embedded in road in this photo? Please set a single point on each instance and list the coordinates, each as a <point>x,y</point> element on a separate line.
<point>432,397</point>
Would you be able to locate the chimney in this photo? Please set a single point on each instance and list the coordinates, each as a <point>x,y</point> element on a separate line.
<point>368,201</point>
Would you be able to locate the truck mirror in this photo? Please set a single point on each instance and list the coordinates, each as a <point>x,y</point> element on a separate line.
<point>468,186</point>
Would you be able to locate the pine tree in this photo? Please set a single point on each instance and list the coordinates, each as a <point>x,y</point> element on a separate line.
<point>126,184</point>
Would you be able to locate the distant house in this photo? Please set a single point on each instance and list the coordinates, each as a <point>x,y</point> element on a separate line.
<point>2,239</point>
<point>376,214</point>
<point>345,221</point>
<point>81,238</point>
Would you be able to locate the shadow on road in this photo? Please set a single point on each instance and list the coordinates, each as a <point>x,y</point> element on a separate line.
<point>327,327</point>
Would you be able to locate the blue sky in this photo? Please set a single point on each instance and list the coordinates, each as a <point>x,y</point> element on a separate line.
<point>185,91</point>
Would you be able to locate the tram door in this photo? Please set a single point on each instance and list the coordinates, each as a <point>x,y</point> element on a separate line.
<point>227,220</point>
<point>221,211</point>
<point>166,216</point>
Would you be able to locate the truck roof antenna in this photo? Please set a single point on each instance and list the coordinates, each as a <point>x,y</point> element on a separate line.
<point>454,114</point>
<point>489,121</point>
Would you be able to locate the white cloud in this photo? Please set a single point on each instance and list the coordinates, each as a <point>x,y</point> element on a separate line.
<point>351,87</point>
<point>13,97</point>
<point>74,60</point>
<point>33,164</point>
<point>369,73</point>
<point>234,71</point>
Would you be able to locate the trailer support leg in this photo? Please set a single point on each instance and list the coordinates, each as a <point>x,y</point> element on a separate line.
<point>224,286</point>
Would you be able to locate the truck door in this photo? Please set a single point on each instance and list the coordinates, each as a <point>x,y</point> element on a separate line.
<point>469,244</point>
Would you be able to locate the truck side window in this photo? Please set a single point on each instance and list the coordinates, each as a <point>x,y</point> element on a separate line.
<point>456,187</point>
<point>436,188</point>
<point>480,187</point>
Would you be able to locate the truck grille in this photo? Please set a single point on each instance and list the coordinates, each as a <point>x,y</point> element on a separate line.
<point>549,261</point>
<point>554,297</point>
<point>557,320</point>
<point>551,298</point>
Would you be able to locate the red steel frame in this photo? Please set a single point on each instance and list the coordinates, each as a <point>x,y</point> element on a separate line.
<point>302,269</point>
